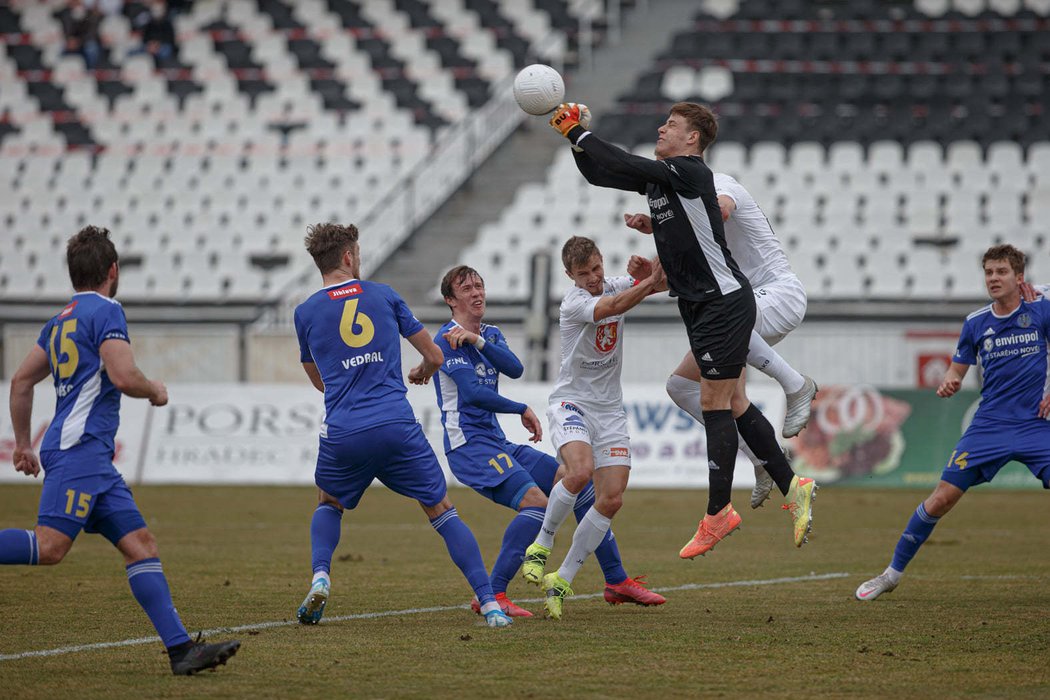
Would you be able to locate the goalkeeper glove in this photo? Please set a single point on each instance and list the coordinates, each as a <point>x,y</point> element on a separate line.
<point>569,115</point>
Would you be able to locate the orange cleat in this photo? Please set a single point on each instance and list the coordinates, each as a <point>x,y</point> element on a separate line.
<point>632,590</point>
<point>712,530</point>
<point>508,606</point>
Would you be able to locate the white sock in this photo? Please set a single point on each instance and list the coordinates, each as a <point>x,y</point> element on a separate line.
<point>321,576</point>
<point>559,505</point>
<point>893,574</point>
<point>489,607</point>
<point>768,361</point>
<point>742,446</point>
<point>589,534</point>
<point>686,395</point>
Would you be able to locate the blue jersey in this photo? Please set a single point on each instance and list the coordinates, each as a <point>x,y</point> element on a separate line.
<point>1013,354</point>
<point>88,405</point>
<point>478,383</point>
<point>352,332</point>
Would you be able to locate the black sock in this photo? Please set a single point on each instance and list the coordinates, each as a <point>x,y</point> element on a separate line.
<point>760,437</point>
<point>721,457</point>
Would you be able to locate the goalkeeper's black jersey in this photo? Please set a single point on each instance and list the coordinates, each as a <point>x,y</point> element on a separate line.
<point>687,221</point>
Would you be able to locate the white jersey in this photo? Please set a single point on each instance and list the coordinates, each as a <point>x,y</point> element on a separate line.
<point>750,237</point>
<point>591,352</point>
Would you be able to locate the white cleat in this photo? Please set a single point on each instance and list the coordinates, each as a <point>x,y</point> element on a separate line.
<point>798,406</point>
<point>312,609</point>
<point>498,618</point>
<point>870,590</point>
<point>763,487</point>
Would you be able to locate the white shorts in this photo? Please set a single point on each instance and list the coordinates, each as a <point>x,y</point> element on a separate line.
<point>781,306</point>
<point>604,430</point>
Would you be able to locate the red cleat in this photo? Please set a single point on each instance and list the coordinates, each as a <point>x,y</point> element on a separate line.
<point>632,591</point>
<point>507,605</point>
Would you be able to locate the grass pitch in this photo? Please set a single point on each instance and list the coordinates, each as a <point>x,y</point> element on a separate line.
<point>969,619</point>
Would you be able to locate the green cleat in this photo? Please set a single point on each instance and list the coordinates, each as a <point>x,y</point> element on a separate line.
<point>799,502</point>
<point>557,588</point>
<point>535,559</point>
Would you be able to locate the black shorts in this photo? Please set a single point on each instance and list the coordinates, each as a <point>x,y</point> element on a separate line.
<point>719,332</point>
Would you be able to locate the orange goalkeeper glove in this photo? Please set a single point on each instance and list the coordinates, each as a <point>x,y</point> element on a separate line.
<point>568,115</point>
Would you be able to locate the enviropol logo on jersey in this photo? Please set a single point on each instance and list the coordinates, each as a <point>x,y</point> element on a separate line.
<point>344,291</point>
<point>605,336</point>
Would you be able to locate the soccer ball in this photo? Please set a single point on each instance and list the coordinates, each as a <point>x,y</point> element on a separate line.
<point>538,89</point>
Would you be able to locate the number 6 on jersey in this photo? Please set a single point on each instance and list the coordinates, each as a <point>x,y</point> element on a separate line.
<point>347,323</point>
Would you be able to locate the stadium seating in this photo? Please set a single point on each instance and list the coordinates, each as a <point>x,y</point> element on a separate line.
<point>274,114</point>
<point>903,135</point>
<point>888,143</point>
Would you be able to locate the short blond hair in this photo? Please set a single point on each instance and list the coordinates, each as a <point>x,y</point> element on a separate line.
<point>577,251</point>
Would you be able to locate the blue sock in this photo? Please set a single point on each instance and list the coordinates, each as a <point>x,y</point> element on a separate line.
<point>18,547</point>
<point>520,534</point>
<point>324,536</point>
<point>464,551</point>
<point>607,554</point>
<point>918,530</point>
<point>150,589</point>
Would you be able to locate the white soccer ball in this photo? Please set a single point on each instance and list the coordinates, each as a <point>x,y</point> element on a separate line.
<point>539,89</point>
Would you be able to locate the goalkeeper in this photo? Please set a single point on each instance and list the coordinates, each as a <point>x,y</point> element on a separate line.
<point>715,299</point>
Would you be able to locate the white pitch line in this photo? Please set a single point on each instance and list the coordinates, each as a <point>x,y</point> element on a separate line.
<point>393,613</point>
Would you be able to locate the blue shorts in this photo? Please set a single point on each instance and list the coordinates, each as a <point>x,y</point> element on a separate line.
<point>500,470</point>
<point>397,454</point>
<point>985,448</point>
<point>84,491</point>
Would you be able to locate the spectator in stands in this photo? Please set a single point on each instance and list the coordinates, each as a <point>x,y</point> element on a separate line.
<point>158,33</point>
<point>80,24</point>
<point>106,7</point>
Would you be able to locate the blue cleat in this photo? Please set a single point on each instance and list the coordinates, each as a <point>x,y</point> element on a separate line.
<point>312,609</point>
<point>497,618</point>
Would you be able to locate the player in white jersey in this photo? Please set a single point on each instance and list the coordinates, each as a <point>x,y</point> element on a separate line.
<point>781,301</point>
<point>588,424</point>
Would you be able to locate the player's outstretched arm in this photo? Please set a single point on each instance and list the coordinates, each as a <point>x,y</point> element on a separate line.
<point>630,298</point>
<point>600,176</point>
<point>120,365</point>
<point>634,171</point>
<point>30,373</point>
<point>432,357</point>
<point>572,120</point>
<point>952,380</point>
<point>640,267</point>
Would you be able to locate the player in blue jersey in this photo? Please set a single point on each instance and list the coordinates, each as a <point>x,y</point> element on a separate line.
<point>1009,340</point>
<point>86,350</point>
<point>479,454</point>
<point>350,345</point>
